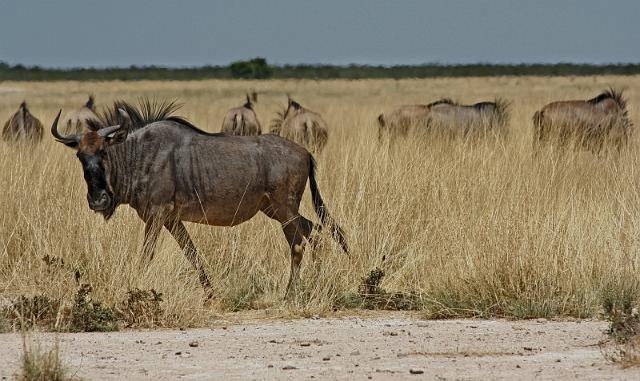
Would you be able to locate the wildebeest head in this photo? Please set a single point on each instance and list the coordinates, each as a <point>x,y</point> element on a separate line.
<point>90,149</point>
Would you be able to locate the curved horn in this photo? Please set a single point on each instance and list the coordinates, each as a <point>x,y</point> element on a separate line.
<point>62,139</point>
<point>109,130</point>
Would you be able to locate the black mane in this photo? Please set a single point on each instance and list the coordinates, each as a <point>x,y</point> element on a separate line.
<point>146,112</point>
<point>91,103</point>
<point>295,105</point>
<point>142,115</point>
<point>441,101</point>
<point>483,105</point>
<point>617,96</point>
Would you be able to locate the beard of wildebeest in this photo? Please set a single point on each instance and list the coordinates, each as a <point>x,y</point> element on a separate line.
<point>99,196</point>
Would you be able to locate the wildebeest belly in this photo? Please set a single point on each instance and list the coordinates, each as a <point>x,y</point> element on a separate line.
<point>227,180</point>
<point>223,189</point>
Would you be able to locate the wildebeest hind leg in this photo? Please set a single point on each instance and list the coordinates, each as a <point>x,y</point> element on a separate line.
<point>296,230</point>
<point>312,238</point>
<point>181,235</point>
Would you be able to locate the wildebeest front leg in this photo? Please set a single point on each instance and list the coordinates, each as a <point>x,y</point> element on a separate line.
<point>151,232</point>
<point>181,235</point>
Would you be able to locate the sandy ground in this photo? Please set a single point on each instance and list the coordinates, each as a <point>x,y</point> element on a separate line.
<point>393,347</point>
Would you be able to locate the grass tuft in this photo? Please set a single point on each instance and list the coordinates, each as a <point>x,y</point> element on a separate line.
<point>40,364</point>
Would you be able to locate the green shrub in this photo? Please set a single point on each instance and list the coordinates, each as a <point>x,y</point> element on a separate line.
<point>90,316</point>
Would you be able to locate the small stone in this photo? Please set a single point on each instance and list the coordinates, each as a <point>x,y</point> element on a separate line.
<point>416,371</point>
<point>194,344</point>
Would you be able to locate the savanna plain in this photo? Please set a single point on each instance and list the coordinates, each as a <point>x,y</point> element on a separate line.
<point>447,229</point>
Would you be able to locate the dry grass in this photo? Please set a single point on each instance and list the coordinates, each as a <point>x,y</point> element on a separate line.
<point>41,364</point>
<point>477,228</point>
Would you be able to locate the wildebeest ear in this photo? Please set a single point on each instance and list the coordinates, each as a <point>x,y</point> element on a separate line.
<point>118,134</point>
<point>125,119</point>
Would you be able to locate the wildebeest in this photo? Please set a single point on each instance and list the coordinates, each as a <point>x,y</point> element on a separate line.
<point>22,126</point>
<point>77,121</point>
<point>170,171</point>
<point>242,120</point>
<point>302,126</point>
<point>588,123</point>
<point>446,117</point>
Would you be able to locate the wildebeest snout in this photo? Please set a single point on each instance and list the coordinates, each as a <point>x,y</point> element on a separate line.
<point>98,202</point>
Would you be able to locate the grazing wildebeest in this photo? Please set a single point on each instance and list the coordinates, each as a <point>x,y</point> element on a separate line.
<point>78,121</point>
<point>446,117</point>
<point>302,126</point>
<point>589,123</point>
<point>242,120</point>
<point>22,126</point>
<point>170,171</point>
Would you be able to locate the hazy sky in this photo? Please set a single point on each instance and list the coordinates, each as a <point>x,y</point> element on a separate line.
<point>66,33</point>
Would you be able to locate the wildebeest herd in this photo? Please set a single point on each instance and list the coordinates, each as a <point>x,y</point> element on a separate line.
<point>169,171</point>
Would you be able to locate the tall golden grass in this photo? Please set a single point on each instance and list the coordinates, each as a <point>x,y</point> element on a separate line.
<point>475,228</point>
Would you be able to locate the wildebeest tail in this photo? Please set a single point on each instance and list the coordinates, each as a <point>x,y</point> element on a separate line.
<point>321,208</point>
<point>238,124</point>
<point>502,111</point>
<point>537,125</point>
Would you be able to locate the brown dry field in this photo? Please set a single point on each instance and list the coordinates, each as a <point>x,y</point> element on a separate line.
<point>475,229</point>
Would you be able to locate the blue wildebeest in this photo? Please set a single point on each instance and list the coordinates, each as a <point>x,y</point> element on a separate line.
<point>242,120</point>
<point>78,121</point>
<point>589,124</point>
<point>170,171</point>
<point>302,126</point>
<point>446,117</point>
<point>22,126</point>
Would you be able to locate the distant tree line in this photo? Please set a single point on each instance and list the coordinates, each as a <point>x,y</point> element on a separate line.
<point>259,68</point>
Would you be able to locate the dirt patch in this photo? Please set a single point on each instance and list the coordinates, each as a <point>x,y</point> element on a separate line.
<point>393,347</point>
